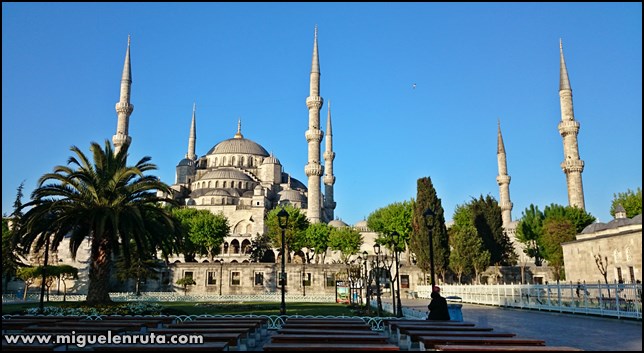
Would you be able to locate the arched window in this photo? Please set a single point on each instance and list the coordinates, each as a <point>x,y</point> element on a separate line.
<point>224,184</point>
<point>234,160</point>
<point>235,246</point>
<point>212,200</point>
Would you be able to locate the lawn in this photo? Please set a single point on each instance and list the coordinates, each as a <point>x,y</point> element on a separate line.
<point>218,308</point>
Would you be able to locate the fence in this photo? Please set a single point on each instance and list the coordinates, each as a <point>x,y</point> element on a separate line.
<point>619,300</point>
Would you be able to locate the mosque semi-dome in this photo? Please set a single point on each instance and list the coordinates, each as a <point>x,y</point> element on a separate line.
<point>291,195</point>
<point>337,223</point>
<point>237,145</point>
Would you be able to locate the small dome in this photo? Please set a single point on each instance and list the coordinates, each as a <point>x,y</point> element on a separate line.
<point>270,160</point>
<point>291,195</point>
<point>595,227</point>
<point>238,146</point>
<point>186,162</point>
<point>336,223</point>
<point>362,225</point>
<point>190,202</point>
<point>224,173</point>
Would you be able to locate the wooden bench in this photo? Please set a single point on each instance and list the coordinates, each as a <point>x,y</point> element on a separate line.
<point>397,333</point>
<point>329,347</point>
<point>262,322</point>
<point>127,326</point>
<point>61,330</point>
<point>317,331</point>
<point>255,328</point>
<point>329,326</point>
<point>428,342</point>
<point>410,339</point>
<point>490,348</point>
<point>208,346</point>
<point>247,338</point>
<point>314,338</point>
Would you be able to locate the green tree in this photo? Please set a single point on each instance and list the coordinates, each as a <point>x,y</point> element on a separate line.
<point>11,261</point>
<point>106,201</point>
<point>140,268</point>
<point>424,226</point>
<point>630,200</point>
<point>317,237</point>
<point>556,230</point>
<point>184,282</point>
<point>295,230</point>
<point>203,232</point>
<point>464,243</point>
<point>28,275</point>
<point>346,240</point>
<point>529,233</point>
<point>480,262</point>
<point>260,245</point>
<point>395,217</point>
<point>486,215</point>
<point>66,273</point>
<point>578,217</point>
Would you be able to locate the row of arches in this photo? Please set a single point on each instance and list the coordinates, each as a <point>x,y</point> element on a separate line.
<point>245,185</point>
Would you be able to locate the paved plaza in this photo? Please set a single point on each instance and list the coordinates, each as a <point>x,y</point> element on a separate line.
<point>589,333</point>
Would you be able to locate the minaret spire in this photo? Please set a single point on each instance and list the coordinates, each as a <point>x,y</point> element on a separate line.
<point>313,168</point>
<point>503,179</point>
<point>192,140</point>
<point>568,127</point>
<point>239,135</point>
<point>329,178</point>
<point>123,107</point>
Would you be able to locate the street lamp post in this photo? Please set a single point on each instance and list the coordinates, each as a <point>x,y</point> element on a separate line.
<point>304,273</point>
<point>376,250</point>
<point>396,238</point>
<point>366,282</point>
<point>429,212</point>
<point>282,218</point>
<point>221,274</point>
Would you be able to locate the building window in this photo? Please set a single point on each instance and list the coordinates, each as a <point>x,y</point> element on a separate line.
<point>211,278</point>
<point>279,283</point>
<point>631,272</point>
<point>189,274</point>
<point>619,275</point>
<point>235,278</point>
<point>404,281</point>
<point>306,279</point>
<point>259,278</point>
<point>329,279</point>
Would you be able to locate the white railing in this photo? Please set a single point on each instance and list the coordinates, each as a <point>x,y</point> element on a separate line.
<point>583,298</point>
<point>178,297</point>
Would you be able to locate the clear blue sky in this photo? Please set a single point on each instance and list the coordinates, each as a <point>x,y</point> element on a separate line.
<point>473,64</point>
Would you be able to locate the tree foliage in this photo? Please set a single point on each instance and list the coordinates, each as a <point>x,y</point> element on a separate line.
<point>295,231</point>
<point>425,226</point>
<point>317,237</point>
<point>260,245</point>
<point>203,232</point>
<point>486,216</point>
<point>529,232</point>
<point>106,201</point>
<point>556,230</point>
<point>395,217</point>
<point>346,240</point>
<point>630,200</point>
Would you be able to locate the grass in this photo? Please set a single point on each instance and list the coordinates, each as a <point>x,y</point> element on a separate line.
<point>218,308</point>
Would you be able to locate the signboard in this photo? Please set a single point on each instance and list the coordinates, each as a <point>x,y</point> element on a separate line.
<point>342,292</point>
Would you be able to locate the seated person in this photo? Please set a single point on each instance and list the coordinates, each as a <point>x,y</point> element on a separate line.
<point>437,307</point>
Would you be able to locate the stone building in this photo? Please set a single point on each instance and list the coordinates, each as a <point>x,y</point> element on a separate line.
<point>618,243</point>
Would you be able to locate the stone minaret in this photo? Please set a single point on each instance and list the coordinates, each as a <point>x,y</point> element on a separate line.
<point>123,107</point>
<point>192,140</point>
<point>503,179</point>
<point>569,128</point>
<point>313,168</point>
<point>329,178</point>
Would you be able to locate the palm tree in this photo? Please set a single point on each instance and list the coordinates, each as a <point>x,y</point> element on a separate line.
<point>106,201</point>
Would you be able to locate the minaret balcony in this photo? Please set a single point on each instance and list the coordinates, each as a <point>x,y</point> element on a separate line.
<point>314,102</point>
<point>314,169</point>
<point>329,155</point>
<point>329,179</point>
<point>572,166</point>
<point>124,107</point>
<point>503,179</point>
<point>568,127</point>
<point>314,135</point>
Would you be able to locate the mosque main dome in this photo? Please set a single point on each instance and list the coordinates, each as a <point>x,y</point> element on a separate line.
<point>239,145</point>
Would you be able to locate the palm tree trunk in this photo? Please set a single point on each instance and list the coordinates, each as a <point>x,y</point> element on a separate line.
<point>99,272</point>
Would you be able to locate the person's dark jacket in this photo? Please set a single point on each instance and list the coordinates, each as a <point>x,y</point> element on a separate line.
<point>438,308</point>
